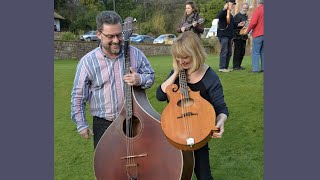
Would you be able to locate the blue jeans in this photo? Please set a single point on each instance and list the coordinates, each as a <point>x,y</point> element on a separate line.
<point>225,52</point>
<point>257,53</point>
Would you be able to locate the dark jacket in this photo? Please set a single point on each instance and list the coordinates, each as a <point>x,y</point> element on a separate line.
<point>198,29</point>
<point>225,30</point>
<point>237,19</point>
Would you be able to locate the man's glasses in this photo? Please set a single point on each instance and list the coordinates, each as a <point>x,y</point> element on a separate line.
<point>110,37</point>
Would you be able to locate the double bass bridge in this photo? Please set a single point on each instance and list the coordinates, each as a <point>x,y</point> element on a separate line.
<point>134,156</point>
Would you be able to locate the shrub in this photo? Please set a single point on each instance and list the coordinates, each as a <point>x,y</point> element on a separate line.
<point>212,42</point>
<point>68,36</point>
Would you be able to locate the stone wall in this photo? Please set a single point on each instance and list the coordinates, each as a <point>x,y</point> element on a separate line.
<point>57,35</point>
<point>77,49</point>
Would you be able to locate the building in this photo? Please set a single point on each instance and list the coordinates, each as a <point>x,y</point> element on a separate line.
<point>57,19</point>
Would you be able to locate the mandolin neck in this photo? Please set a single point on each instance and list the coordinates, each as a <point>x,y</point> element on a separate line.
<point>183,83</point>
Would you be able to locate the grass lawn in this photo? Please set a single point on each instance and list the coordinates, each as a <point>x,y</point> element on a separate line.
<point>237,156</point>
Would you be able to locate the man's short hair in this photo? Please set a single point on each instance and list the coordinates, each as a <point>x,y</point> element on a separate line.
<point>107,17</point>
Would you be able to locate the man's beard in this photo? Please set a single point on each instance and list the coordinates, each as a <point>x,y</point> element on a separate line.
<point>112,50</point>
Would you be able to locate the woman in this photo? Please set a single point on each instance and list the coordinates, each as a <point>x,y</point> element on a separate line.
<point>191,20</point>
<point>189,54</point>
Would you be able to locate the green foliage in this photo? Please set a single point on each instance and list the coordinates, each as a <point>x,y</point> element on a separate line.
<point>68,36</point>
<point>238,155</point>
<point>158,23</point>
<point>145,28</point>
<point>137,13</point>
<point>80,32</point>
<point>209,10</point>
<point>209,41</point>
<point>126,8</point>
<point>80,15</point>
<point>154,17</point>
<point>154,27</point>
<point>212,42</point>
<point>89,3</point>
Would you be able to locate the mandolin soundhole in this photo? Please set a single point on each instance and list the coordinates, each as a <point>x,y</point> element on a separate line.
<point>134,127</point>
<point>185,102</point>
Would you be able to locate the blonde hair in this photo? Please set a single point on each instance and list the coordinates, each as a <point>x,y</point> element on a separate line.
<point>188,44</point>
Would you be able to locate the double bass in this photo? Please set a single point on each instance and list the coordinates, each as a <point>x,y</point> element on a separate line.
<point>188,120</point>
<point>134,146</point>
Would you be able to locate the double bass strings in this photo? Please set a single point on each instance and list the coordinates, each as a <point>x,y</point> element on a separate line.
<point>130,162</point>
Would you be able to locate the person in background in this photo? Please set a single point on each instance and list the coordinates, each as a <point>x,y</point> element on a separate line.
<point>240,40</point>
<point>191,18</point>
<point>189,54</point>
<point>225,34</point>
<point>257,27</point>
<point>100,78</point>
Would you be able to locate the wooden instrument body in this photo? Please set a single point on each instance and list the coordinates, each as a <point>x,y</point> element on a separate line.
<point>195,120</point>
<point>154,158</point>
<point>245,27</point>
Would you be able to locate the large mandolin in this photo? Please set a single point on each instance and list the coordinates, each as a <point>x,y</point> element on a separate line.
<point>243,30</point>
<point>134,146</point>
<point>188,120</point>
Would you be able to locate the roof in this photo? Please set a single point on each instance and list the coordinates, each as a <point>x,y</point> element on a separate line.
<point>58,16</point>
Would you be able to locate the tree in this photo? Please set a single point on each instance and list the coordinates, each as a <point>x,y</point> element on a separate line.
<point>154,16</point>
<point>209,10</point>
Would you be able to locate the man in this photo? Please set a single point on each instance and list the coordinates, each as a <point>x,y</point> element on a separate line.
<point>225,34</point>
<point>257,27</point>
<point>240,40</point>
<point>100,78</point>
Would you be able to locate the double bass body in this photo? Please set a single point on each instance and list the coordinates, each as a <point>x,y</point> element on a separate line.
<point>150,155</point>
